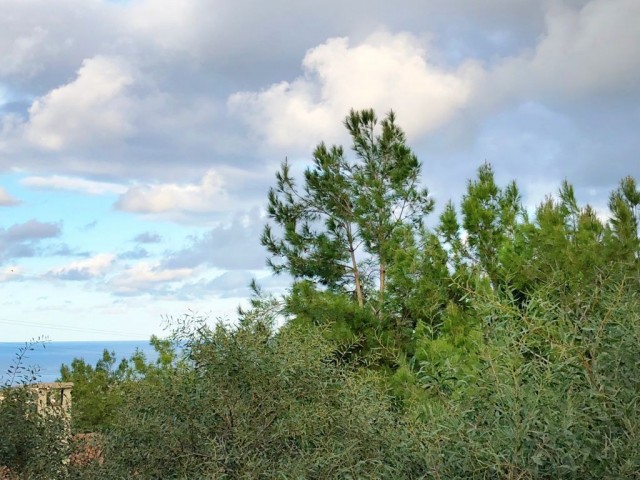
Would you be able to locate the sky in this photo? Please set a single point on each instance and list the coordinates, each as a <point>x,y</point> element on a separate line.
<point>139,138</point>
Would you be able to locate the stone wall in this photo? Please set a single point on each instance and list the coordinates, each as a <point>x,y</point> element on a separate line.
<point>54,397</point>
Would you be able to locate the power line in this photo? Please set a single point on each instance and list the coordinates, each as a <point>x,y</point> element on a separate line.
<point>71,328</point>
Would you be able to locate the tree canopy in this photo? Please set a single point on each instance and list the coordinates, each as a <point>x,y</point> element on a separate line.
<point>341,228</point>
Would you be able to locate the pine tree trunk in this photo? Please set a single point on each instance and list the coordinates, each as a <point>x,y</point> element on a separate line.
<point>383,274</point>
<point>356,278</point>
<point>354,265</point>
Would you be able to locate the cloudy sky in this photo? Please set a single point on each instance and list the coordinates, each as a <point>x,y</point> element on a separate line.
<point>138,138</point>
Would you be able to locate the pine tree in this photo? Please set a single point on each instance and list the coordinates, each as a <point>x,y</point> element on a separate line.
<point>342,228</point>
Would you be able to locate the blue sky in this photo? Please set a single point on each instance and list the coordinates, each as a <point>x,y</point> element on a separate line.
<point>138,139</point>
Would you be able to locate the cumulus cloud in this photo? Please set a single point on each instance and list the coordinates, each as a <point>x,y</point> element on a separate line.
<point>384,72</point>
<point>86,269</point>
<point>6,200</point>
<point>152,77</point>
<point>210,195</point>
<point>76,184</point>
<point>586,51</point>
<point>90,110</point>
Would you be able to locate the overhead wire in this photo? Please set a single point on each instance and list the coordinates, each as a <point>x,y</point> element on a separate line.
<point>72,328</point>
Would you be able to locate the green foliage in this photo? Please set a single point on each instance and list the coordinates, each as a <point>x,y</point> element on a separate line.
<point>624,204</point>
<point>448,361</point>
<point>94,393</point>
<point>356,334</point>
<point>250,403</point>
<point>339,229</point>
<point>32,445</point>
<point>99,390</point>
<point>490,218</point>
<point>558,397</point>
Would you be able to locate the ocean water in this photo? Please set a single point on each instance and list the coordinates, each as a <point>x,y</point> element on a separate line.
<point>52,355</point>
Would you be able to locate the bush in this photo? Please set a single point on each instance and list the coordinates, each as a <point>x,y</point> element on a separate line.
<point>32,445</point>
<point>247,403</point>
<point>558,392</point>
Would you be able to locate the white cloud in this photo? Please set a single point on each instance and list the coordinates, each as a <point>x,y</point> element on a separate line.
<point>145,277</point>
<point>209,195</point>
<point>60,182</point>
<point>588,50</point>
<point>84,269</point>
<point>92,109</point>
<point>6,200</point>
<point>384,72</point>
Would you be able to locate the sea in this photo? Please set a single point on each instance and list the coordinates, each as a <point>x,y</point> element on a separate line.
<point>47,358</point>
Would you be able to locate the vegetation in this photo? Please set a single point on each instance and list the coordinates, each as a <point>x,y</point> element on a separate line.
<point>31,445</point>
<point>98,391</point>
<point>499,344</point>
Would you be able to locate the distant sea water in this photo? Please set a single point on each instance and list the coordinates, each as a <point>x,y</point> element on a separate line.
<point>50,357</point>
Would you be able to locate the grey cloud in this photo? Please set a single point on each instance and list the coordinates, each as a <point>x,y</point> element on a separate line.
<point>135,254</point>
<point>235,280</point>
<point>64,250</point>
<point>235,246</point>
<point>31,230</point>
<point>42,41</point>
<point>231,284</point>
<point>24,239</point>
<point>583,53</point>
<point>89,226</point>
<point>20,250</point>
<point>148,237</point>
<point>73,275</point>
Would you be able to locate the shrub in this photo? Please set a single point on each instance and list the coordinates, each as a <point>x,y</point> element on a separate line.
<point>558,393</point>
<point>248,403</point>
<point>32,445</point>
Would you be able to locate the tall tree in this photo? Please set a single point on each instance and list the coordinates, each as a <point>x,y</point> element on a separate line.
<point>624,204</point>
<point>342,227</point>
<point>490,219</point>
